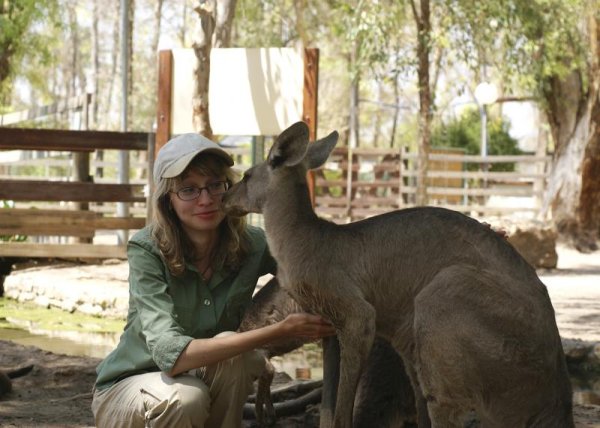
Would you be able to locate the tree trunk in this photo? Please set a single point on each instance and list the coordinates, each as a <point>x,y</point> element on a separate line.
<point>109,106</point>
<point>74,50</point>
<point>130,77</point>
<point>300,25</point>
<point>573,193</point>
<point>377,117</point>
<point>224,13</point>
<point>158,23</point>
<point>202,45</point>
<point>422,19</point>
<point>95,54</point>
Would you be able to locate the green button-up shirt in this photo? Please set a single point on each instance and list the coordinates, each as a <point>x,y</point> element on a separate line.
<point>167,312</point>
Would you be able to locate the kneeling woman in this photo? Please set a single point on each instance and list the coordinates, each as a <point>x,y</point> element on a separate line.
<point>192,273</point>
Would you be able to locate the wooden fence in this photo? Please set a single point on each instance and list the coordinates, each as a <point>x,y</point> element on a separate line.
<point>67,203</point>
<point>380,180</point>
<point>60,206</point>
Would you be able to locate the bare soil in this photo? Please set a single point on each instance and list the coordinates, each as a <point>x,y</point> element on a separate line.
<point>57,392</point>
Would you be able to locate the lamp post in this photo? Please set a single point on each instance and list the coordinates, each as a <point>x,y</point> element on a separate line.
<point>485,94</point>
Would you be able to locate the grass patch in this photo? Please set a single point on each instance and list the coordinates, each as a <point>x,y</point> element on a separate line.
<point>26,315</point>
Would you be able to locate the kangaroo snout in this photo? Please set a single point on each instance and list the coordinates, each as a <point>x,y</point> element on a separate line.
<point>230,208</point>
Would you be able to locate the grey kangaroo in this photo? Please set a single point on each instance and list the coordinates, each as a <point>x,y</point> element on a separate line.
<point>468,315</point>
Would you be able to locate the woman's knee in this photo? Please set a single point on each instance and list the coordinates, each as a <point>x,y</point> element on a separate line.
<point>193,398</point>
<point>179,401</point>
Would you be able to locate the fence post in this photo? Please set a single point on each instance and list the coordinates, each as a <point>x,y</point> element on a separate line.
<point>401,151</point>
<point>150,184</point>
<point>81,160</point>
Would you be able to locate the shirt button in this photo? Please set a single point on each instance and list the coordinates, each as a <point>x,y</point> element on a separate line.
<point>207,302</point>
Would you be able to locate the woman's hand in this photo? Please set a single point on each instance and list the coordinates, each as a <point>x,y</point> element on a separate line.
<point>306,325</point>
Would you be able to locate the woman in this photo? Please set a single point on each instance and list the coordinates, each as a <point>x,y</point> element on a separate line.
<point>192,273</point>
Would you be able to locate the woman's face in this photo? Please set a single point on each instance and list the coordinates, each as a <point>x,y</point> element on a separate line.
<point>203,213</point>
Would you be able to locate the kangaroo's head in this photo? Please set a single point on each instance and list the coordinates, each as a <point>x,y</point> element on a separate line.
<point>288,161</point>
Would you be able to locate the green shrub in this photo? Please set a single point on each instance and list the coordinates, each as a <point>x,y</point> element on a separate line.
<point>465,133</point>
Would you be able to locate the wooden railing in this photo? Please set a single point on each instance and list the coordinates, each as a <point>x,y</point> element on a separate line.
<point>382,180</point>
<point>379,180</point>
<point>60,206</point>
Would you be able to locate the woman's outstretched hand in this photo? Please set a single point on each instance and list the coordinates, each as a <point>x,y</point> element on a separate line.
<point>307,325</point>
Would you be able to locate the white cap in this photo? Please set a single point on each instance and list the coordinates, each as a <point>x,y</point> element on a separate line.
<point>174,157</point>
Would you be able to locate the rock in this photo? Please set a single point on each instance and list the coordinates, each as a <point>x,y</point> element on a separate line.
<point>534,240</point>
<point>577,350</point>
<point>42,301</point>
<point>93,289</point>
<point>582,359</point>
<point>596,351</point>
<point>90,309</point>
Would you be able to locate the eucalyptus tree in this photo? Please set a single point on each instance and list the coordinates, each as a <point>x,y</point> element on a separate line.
<point>550,49</point>
<point>27,31</point>
<point>213,29</point>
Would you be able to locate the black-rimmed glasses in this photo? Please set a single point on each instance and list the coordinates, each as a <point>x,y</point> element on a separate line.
<point>190,193</point>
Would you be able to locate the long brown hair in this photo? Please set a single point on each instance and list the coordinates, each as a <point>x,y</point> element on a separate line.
<point>173,242</point>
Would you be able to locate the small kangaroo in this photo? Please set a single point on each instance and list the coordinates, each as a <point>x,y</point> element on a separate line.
<point>468,315</point>
<point>270,304</point>
<point>385,397</point>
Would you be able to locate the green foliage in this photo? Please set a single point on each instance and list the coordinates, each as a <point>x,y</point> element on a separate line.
<point>465,133</point>
<point>527,42</point>
<point>335,191</point>
<point>26,27</point>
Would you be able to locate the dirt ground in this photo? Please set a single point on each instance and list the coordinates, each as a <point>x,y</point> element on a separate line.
<point>57,392</point>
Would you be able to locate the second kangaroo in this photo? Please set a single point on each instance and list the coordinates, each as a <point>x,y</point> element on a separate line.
<point>468,315</point>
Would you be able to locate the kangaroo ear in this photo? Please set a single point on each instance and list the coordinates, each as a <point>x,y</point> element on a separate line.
<point>290,147</point>
<point>319,151</point>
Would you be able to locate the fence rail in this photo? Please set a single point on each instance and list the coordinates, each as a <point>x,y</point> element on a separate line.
<point>381,180</point>
<point>47,211</point>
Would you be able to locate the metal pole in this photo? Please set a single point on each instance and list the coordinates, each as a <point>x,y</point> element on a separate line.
<point>483,131</point>
<point>123,207</point>
<point>484,148</point>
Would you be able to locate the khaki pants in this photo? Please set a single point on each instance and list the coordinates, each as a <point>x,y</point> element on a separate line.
<point>209,397</point>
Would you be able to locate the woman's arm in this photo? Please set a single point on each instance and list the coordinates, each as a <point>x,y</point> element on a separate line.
<point>204,352</point>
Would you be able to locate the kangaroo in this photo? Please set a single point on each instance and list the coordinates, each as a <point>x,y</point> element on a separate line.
<point>471,320</point>
<point>385,397</point>
<point>270,304</point>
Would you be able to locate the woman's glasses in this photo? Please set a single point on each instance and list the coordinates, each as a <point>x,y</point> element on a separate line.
<point>192,192</point>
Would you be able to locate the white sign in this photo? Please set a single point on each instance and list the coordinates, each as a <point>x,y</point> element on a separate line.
<point>257,91</point>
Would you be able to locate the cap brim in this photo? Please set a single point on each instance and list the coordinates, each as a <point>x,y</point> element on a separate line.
<point>177,167</point>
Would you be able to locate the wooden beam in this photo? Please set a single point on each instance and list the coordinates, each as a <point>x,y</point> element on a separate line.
<point>165,85</point>
<point>310,103</point>
<point>55,191</point>
<point>15,221</point>
<point>65,140</point>
<point>118,223</point>
<point>38,222</point>
<point>311,90</point>
<point>62,251</point>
